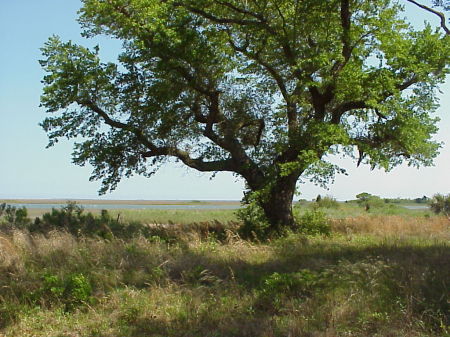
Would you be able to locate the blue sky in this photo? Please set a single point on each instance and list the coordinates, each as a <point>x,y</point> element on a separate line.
<point>28,170</point>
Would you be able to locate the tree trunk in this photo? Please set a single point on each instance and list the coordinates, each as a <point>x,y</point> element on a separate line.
<point>277,205</point>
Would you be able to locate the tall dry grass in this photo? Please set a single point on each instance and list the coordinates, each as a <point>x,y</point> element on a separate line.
<point>394,225</point>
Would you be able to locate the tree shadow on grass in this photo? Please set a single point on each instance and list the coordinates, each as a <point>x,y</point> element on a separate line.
<point>242,327</point>
<point>292,257</point>
<point>415,274</point>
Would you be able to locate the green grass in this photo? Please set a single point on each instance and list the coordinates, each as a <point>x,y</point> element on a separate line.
<point>183,216</point>
<point>177,216</point>
<point>352,209</point>
<point>376,275</point>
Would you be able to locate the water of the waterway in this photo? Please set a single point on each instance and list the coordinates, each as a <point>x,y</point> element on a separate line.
<point>416,207</point>
<point>128,206</point>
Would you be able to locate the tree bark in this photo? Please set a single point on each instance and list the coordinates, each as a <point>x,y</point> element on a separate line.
<point>277,205</point>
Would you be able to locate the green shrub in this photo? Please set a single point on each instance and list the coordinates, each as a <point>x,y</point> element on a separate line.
<point>73,291</point>
<point>254,222</point>
<point>52,286</point>
<point>13,216</point>
<point>77,291</point>
<point>325,202</point>
<point>300,283</point>
<point>440,204</point>
<point>277,288</point>
<point>314,222</point>
<point>69,217</point>
<point>73,219</point>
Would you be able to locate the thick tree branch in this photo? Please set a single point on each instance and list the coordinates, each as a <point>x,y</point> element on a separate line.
<point>118,125</point>
<point>346,24</point>
<point>184,156</point>
<point>195,163</point>
<point>261,21</point>
<point>182,71</point>
<point>286,46</point>
<point>320,100</point>
<point>197,111</point>
<point>347,48</point>
<point>283,19</point>
<point>276,76</point>
<point>431,10</point>
<point>229,142</point>
<point>242,11</point>
<point>361,104</point>
<point>220,20</point>
<point>241,162</point>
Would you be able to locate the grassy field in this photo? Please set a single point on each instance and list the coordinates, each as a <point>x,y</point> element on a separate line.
<point>379,274</point>
<point>184,216</point>
<point>180,216</point>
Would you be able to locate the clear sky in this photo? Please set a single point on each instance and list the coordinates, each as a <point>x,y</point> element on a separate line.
<point>28,170</point>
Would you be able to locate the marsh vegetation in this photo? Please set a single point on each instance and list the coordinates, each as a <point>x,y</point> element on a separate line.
<point>72,273</point>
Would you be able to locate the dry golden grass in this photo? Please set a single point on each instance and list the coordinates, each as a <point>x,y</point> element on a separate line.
<point>393,225</point>
<point>8,253</point>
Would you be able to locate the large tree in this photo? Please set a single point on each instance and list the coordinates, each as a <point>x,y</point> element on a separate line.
<point>266,89</point>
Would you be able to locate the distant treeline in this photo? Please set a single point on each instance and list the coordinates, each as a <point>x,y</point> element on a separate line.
<point>421,200</point>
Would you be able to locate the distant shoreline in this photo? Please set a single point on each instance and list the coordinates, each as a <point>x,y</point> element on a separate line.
<point>120,202</point>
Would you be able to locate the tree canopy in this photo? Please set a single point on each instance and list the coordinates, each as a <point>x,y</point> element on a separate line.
<point>264,89</point>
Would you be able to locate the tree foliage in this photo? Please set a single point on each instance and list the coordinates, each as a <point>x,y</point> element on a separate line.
<point>264,89</point>
<point>444,4</point>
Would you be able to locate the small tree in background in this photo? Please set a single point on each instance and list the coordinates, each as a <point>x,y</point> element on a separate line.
<point>423,200</point>
<point>327,201</point>
<point>369,201</point>
<point>363,199</point>
<point>440,204</point>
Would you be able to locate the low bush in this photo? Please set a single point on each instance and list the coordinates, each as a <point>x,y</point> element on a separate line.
<point>299,283</point>
<point>278,288</point>
<point>71,292</point>
<point>314,222</point>
<point>325,202</point>
<point>254,222</point>
<point>11,216</point>
<point>74,220</point>
<point>440,204</point>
